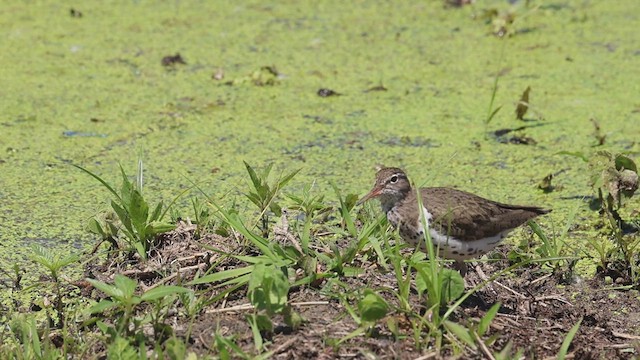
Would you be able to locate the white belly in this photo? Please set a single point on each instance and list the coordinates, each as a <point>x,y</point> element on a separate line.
<point>452,248</point>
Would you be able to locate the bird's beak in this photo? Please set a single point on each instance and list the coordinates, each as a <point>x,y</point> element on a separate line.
<point>376,191</point>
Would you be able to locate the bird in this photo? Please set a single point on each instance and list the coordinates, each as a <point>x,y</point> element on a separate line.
<point>461,225</point>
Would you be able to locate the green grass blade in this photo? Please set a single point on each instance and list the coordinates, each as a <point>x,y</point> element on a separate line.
<point>104,183</point>
<point>222,275</point>
<point>175,199</point>
<point>486,320</point>
<point>162,291</point>
<point>562,353</point>
<point>346,215</point>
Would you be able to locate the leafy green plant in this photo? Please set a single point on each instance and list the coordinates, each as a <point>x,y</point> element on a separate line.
<point>268,292</point>
<point>614,179</point>
<point>139,225</point>
<point>203,217</point>
<point>32,343</point>
<point>124,300</point>
<point>553,250</point>
<point>371,308</point>
<point>471,334</point>
<point>53,262</point>
<point>491,112</point>
<point>263,194</point>
<point>228,349</point>
<point>310,206</point>
<point>363,236</point>
<point>504,22</point>
<point>15,275</point>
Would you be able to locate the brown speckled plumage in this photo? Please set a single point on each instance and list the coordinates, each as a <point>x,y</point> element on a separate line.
<point>466,225</point>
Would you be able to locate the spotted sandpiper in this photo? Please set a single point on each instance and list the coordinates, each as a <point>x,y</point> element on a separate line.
<point>461,225</point>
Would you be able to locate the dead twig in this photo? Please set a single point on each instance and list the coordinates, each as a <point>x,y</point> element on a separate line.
<point>553,297</point>
<point>285,346</point>
<point>483,347</point>
<point>625,336</point>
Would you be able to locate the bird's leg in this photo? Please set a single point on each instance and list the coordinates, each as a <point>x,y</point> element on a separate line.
<point>461,266</point>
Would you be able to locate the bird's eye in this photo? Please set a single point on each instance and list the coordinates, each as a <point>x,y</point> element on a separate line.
<point>393,179</point>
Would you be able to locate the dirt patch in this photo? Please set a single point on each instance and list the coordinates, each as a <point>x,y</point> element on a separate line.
<point>536,312</point>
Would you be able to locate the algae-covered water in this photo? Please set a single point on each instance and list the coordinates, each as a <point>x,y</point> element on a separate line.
<point>84,83</point>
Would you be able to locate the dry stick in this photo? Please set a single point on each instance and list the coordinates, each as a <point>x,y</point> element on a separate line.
<point>511,317</point>
<point>553,297</point>
<point>194,256</point>
<point>541,278</point>
<point>180,271</point>
<point>204,343</point>
<point>484,277</point>
<point>428,356</point>
<point>483,347</point>
<point>284,346</point>
<point>242,307</point>
<point>625,336</point>
<point>618,346</point>
<point>233,308</point>
<point>224,300</point>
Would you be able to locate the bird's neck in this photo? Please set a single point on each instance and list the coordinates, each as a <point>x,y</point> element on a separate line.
<point>389,201</point>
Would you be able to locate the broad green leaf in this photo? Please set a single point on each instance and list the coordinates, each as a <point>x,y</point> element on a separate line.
<point>460,332</point>
<point>486,320</point>
<point>268,288</point>
<point>372,307</point>
<point>452,285</point>
<point>252,174</point>
<point>126,285</point>
<point>264,323</point>
<point>423,279</point>
<point>94,227</point>
<point>126,189</point>
<point>275,208</point>
<point>140,249</point>
<point>102,306</point>
<point>108,289</point>
<point>139,212</point>
<point>625,162</point>
<point>158,227</point>
<point>123,215</point>
<point>292,318</point>
<point>155,215</point>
